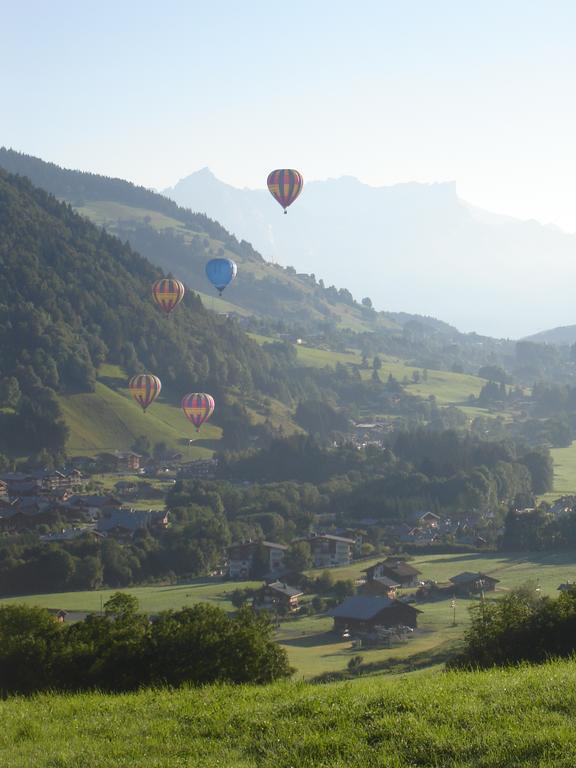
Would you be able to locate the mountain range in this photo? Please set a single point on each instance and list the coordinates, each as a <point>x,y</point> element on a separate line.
<point>411,247</point>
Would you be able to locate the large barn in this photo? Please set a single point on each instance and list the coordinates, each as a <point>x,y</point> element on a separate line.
<point>362,614</point>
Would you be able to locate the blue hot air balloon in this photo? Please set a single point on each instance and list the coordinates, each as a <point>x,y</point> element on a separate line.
<point>221,272</point>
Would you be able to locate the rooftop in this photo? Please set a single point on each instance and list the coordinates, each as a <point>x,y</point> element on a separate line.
<point>362,607</point>
<point>466,576</point>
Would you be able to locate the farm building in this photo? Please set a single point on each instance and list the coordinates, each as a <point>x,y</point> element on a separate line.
<point>379,586</point>
<point>397,570</point>
<point>125,522</point>
<point>426,520</point>
<point>468,583</point>
<point>278,596</point>
<point>121,461</point>
<point>361,614</point>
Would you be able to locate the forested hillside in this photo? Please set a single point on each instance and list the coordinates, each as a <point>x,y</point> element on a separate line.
<point>180,241</point>
<point>272,299</point>
<point>73,297</point>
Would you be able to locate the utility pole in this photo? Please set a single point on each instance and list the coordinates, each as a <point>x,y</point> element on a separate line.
<point>482,602</point>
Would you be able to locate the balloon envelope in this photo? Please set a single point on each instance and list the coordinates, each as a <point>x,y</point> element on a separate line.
<point>144,388</point>
<point>167,294</point>
<point>198,407</point>
<point>221,272</point>
<point>285,185</point>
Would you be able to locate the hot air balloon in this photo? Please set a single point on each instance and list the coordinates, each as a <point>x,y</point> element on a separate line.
<point>198,407</point>
<point>168,293</point>
<point>144,388</point>
<point>221,272</point>
<point>285,185</point>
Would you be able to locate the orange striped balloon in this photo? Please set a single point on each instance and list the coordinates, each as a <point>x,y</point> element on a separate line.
<point>285,185</point>
<point>168,293</point>
<point>144,388</point>
<point>198,407</point>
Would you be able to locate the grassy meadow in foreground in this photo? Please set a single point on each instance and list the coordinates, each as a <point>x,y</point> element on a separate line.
<point>497,719</point>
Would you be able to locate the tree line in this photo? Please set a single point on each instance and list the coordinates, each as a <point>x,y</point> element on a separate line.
<point>123,649</point>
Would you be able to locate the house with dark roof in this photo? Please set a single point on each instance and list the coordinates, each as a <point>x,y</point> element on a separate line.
<point>241,558</point>
<point>121,461</point>
<point>125,522</point>
<point>201,469</point>
<point>363,614</point>
<point>278,596</point>
<point>380,585</point>
<point>425,520</point>
<point>473,583</point>
<point>330,550</point>
<point>399,571</point>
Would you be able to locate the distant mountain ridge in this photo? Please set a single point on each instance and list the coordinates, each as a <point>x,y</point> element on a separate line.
<point>562,336</point>
<point>410,247</point>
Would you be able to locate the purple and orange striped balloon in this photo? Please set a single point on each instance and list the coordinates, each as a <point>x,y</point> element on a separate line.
<point>144,388</point>
<point>168,293</point>
<point>198,407</point>
<point>285,185</point>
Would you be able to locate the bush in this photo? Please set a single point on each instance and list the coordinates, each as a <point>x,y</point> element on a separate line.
<point>122,650</point>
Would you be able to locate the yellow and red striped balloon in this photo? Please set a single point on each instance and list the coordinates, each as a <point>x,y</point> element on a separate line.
<point>198,407</point>
<point>168,293</point>
<point>285,185</point>
<point>144,388</point>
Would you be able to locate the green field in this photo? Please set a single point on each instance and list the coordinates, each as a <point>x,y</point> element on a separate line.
<point>108,419</point>
<point>312,648</point>
<point>448,388</point>
<point>564,470</point>
<point>515,718</point>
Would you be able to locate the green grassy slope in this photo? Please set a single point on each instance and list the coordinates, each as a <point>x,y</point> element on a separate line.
<point>496,719</point>
<point>448,388</point>
<point>108,419</point>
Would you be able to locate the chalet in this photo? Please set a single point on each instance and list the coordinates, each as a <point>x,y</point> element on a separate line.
<point>71,534</point>
<point>468,583</point>
<point>363,614</point>
<point>382,586</point>
<point>328,550</point>
<point>40,481</point>
<point>91,506</point>
<point>278,596</point>
<point>241,557</point>
<point>125,488</point>
<point>567,586</point>
<point>202,469</point>
<point>397,570</point>
<point>28,513</point>
<point>121,461</point>
<point>425,520</point>
<point>21,484</point>
<point>125,522</point>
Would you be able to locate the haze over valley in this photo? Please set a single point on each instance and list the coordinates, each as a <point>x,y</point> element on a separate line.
<point>410,247</point>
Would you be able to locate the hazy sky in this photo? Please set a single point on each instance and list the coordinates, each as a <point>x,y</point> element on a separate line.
<point>388,91</point>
